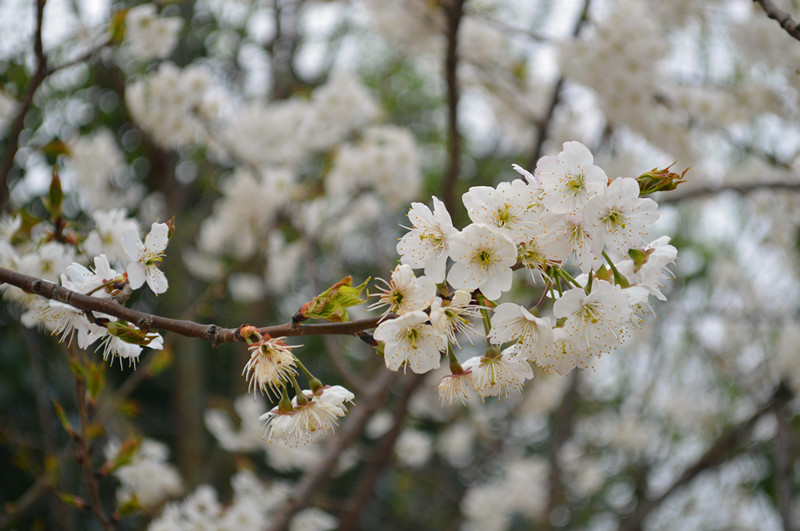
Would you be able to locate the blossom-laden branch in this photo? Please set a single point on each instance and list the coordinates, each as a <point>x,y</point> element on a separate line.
<point>782,17</point>
<point>212,333</point>
<point>741,189</point>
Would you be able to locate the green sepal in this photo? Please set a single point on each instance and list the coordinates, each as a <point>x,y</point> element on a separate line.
<point>639,257</point>
<point>129,333</point>
<point>657,180</point>
<point>332,303</point>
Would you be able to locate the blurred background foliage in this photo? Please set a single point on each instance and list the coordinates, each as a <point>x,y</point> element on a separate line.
<point>692,424</point>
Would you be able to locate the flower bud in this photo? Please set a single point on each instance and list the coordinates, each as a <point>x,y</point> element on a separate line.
<point>659,180</point>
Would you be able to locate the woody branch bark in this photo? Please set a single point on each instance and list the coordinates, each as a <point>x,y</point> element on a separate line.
<point>782,17</point>
<point>212,333</point>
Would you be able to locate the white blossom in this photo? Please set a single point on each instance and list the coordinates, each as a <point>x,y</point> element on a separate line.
<point>595,321</point>
<point>149,36</point>
<point>619,215</point>
<point>405,292</point>
<point>145,258</point>
<point>498,373</point>
<point>483,257</point>
<point>569,179</point>
<point>512,322</point>
<point>410,340</point>
<point>271,364</point>
<point>427,245</point>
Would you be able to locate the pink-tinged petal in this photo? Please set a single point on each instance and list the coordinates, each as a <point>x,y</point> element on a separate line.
<point>132,245</point>
<point>136,274</point>
<point>158,238</point>
<point>157,280</point>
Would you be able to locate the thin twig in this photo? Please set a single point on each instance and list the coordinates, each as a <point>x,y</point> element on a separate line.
<point>89,477</point>
<point>782,466</point>
<point>454,11</point>
<point>212,333</point>
<point>783,18</point>
<point>543,125</point>
<point>741,189</point>
<point>35,81</point>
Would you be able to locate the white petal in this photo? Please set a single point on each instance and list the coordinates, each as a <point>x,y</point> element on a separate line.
<point>157,280</point>
<point>158,238</point>
<point>132,245</point>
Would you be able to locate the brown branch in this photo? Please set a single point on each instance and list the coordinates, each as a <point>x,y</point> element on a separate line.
<point>782,17</point>
<point>741,189</point>
<point>782,464</point>
<point>316,477</point>
<point>17,125</point>
<point>85,454</point>
<point>722,449</point>
<point>454,11</point>
<point>212,333</point>
<point>381,458</point>
<point>543,125</point>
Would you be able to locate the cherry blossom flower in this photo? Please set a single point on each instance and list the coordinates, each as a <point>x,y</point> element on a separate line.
<point>453,316</point>
<point>498,373</point>
<point>148,36</point>
<point>63,319</point>
<point>570,231</point>
<point>409,339</point>
<point>569,179</point>
<point>405,292</point>
<point>595,321</point>
<point>112,346</point>
<point>483,257</point>
<point>308,421</point>
<point>651,274</point>
<point>512,322</point>
<point>563,354</point>
<point>455,386</point>
<point>427,244</point>
<point>271,363</point>
<point>145,258</point>
<point>508,208</point>
<point>619,215</point>
<point>90,282</point>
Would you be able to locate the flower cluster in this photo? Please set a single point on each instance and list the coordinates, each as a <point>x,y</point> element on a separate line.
<point>566,214</point>
<point>114,232</point>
